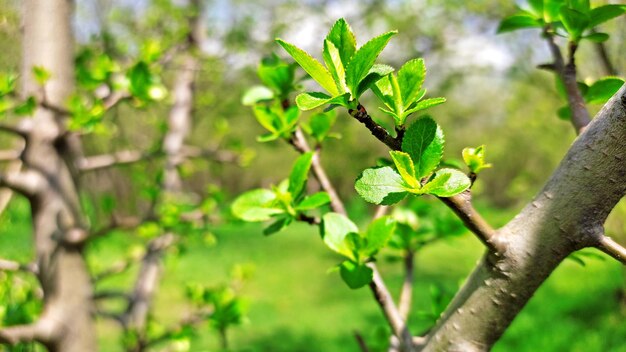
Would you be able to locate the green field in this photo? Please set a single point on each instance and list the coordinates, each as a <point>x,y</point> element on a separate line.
<point>296,305</point>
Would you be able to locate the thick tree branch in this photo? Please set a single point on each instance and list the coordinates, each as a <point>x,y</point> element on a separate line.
<point>21,333</point>
<point>27,183</point>
<point>612,248</point>
<point>566,215</point>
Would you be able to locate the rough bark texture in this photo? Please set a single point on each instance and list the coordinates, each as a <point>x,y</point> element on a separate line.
<point>567,215</point>
<point>48,42</point>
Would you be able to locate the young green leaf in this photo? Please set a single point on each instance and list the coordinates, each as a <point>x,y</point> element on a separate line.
<point>299,175</point>
<point>605,13</point>
<point>378,234</point>
<point>364,59</point>
<point>551,9</point>
<point>344,40</point>
<point>313,201</point>
<point>424,141</point>
<point>312,100</point>
<point>410,79</point>
<point>597,37</point>
<point>447,183</point>
<point>405,167</point>
<point>582,6</point>
<point>267,118</point>
<point>42,75</point>
<point>277,75</point>
<point>257,94</point>
<point>536,6</point>
<point>255,205</point>
<point>355,275</point>
<point>27,107</point>
<point>575,22</point>
<point>377,72</point>
<point>518,21</point>
<point>278,225</point>
<point>313,67</point>
<point>602,90</point>
<point>425,104</point>
<point>335,227</point>
<point>320,124</point>
<point>335,66</point>
<point>475,159</point>
<point>381,186</point>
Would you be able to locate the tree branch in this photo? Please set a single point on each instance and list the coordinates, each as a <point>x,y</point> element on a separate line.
<point>10,265</point>
<point>609,246</point>
<point>21,333</point>
<point>406,295</point>
<point>103,161</point>
<point>361,342</point>
<point>377,130</point>
<point>27,182</point>
<point>300,144</point>
<point>567,73</point>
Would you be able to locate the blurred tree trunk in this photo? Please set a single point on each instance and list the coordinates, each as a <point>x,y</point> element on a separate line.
<point>66,323</point>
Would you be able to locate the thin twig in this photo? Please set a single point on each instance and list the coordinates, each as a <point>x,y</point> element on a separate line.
<point>612,248</point>
<point>377,130</point>
<point>406,295</point>
<point>10,265</point>
<point>361,341</point>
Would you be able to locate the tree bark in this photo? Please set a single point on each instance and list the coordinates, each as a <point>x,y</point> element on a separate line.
<point>567,215</point>
<point>66,323</point>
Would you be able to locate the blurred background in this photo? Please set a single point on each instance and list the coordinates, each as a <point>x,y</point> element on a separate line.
<point>496,96</point>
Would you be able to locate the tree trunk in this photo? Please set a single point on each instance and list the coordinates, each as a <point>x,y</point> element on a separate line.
<point>567,215</point>
<point>66,321</point>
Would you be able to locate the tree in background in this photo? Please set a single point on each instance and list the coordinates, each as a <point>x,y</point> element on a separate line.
<point>68,98</point>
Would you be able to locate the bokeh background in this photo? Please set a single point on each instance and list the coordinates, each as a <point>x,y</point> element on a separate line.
<point>496,96</point>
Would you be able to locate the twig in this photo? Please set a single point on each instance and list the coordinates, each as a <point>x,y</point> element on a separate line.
<point>385,301</point>
<point>406,295</point>
<point>9,155</point>
<point>115,269</point>
<point>609,246</point>
<point>567,73</point>
<point>22,132</point>
<point>100,295</point>
<point>103,161</point>
<point>33,332</point>
<point>300,144</point>
<point>10,265</point>
<point>27,183</point>
<point>377,130</point>
<point>360,341</point>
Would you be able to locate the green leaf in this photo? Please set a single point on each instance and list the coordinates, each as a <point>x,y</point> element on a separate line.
<point>321,124</point>
<point>7,83</point>
<point>277,74</point>
<point>335,66</point>
<point>424,141</point>
<point>536,6</point>
<point>257,94</point>
<point>140,80</point>
<point>299,174</point>
<point>313,201</point>
<point>377,72</point>
<point>378,234</point>
<point>405,167</point>
<point>277,225</point>
<point>518,21</point>
<point>364,59</point>
<point>475,159</point>
<point>344,40</point>
<point>383,90</point>
<point>381,186</point>
<point>267,118</point>
<point>410,79</point>
<point>564,113</point>
<point>551,9</point>
<point>312,100</point>
<point>582,6</point>
<point>575,22</point>
<point>447,183</point>
<point>605,13</point>
<point>27,107</point>
<point>424,104</point>
<point>602,90</point>
<point>255,205</point>
<point>355,275</point>
<point>597,37</point>
<point>334,229</point>
<point>313,67</point>
<point>42,75</point>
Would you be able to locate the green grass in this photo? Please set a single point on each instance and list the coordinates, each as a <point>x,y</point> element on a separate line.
<point>296,305</point>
